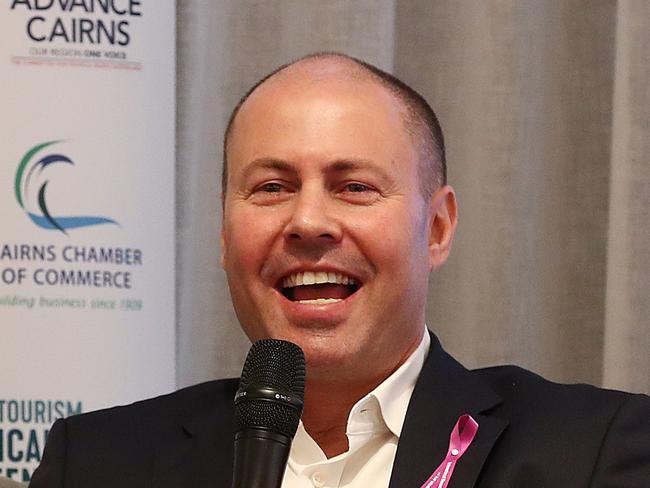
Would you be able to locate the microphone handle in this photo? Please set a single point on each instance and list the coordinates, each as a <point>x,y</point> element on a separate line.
<point>260,459</point>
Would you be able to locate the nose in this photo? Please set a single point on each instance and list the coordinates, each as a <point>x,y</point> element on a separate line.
<point>313,219</point>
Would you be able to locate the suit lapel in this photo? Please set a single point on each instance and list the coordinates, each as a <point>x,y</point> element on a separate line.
<point>470,465</point>
<point>445,390</point>
<point>202,454</point>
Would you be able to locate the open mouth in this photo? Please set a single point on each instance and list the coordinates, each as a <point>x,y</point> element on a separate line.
<point>318,287</point>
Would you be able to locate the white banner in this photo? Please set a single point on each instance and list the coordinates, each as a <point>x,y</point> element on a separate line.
<point>87,125</point>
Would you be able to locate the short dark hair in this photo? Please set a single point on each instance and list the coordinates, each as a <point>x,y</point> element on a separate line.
<point>420,121</point>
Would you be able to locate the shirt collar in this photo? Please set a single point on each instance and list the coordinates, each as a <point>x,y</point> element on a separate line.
<point>394,393</point>
<point>392,396</point>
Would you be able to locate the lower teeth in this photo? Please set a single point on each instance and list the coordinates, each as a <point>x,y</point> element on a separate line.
<point>320,301</point>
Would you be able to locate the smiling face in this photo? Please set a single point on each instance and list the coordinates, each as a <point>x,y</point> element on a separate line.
<point>326,240</point>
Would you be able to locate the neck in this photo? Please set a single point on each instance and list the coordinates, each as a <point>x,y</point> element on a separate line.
<point>329,398</point>
<point>326,411</point>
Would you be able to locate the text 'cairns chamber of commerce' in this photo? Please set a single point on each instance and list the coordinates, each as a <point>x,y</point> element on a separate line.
<point>12,254</point>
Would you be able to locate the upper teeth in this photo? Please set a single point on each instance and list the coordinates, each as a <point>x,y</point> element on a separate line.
<point>315,278</point>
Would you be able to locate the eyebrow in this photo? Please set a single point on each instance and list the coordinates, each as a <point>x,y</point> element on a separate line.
<point>352,164</point>
<point>268,163</point>
<point>338,166</point>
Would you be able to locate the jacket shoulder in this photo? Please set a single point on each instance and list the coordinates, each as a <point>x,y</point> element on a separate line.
<point>604,435</point>
<point>527,388</point>
<point>116,446</point>
<point>192,399</point>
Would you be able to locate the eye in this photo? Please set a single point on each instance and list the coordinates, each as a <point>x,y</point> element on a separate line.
<point>357,187</point>
<point>271,187</point>
<point>271,192</point>
<point>358,193</point>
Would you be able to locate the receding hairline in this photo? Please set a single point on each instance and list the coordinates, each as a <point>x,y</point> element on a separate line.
<point>317,68</point>
<point>343,68</point>
<point>419,119</point>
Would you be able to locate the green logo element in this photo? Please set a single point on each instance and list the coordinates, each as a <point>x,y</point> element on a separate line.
<point>28,173</point>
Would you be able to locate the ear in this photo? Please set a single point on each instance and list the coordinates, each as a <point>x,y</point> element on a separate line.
<point>222,254</point>
<point>222,233</point>
<point>443,219</point>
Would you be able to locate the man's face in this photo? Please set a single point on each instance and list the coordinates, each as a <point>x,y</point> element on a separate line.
<point>327,240</point>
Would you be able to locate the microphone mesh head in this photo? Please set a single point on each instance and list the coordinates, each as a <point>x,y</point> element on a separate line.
<point>279,366</point>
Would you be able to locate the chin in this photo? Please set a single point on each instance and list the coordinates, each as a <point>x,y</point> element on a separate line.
<point>327,356</point>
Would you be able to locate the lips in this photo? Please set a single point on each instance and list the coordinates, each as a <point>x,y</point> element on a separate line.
<point>318,287</point>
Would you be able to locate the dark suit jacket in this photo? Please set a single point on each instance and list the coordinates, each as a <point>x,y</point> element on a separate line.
<point>532,434</point>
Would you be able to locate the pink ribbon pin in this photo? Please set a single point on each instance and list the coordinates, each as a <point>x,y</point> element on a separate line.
<point>461,437</point>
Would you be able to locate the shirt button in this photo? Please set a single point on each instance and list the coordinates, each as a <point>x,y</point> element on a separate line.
<point>318,480</point>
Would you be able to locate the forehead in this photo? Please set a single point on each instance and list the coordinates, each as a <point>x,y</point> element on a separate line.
<point>324,109</point>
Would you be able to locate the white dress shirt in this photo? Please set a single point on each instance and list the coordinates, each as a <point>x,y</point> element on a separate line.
<point>373,430</point>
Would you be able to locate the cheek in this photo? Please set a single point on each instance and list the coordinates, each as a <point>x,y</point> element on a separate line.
<point>248,238</point>
<point>396,245</point>
<point>392,237</point>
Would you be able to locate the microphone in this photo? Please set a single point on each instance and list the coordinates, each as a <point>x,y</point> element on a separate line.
<point>268,406</point>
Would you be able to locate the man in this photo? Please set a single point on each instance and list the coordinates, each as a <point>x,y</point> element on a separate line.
<point>336,209</point>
